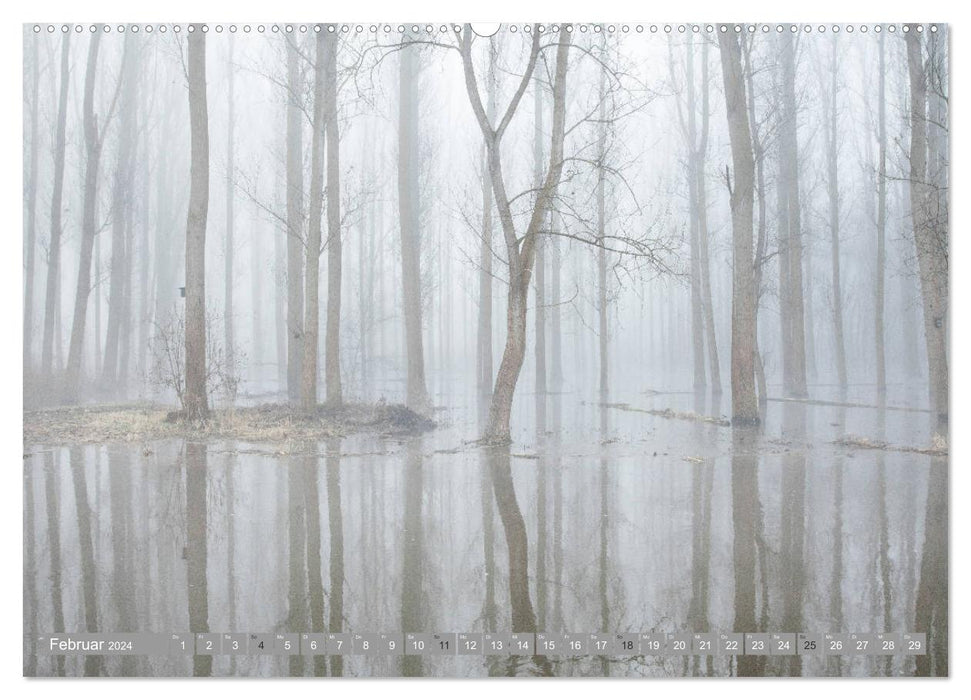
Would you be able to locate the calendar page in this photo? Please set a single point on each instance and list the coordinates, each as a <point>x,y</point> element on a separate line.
<point>463,350</point>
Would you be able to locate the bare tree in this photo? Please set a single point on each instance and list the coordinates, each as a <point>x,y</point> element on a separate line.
<point>520,251</point>
<point>311,322</point>
<point>484,343</point>
<point>334,243</point>
<point>790,234</point>
<point>410,223</point>
<point>229,251</point>
<point>93,142</point>
<point>832,160</point>
<point>196,401</point>
<point>54,249</point>
<point>122,192</point>
<point>30,199</point>
<point>744,404</point>
<point>881,262</point>
<point>294,222</point>
<point>930,228</point>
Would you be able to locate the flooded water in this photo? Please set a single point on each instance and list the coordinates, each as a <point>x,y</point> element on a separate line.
<point>611,520</point>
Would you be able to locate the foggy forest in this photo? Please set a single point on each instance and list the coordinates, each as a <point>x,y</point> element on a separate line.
<point>573,328</point>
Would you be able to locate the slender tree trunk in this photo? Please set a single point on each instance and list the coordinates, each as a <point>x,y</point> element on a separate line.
<point>834,216</point>
<point>295,235</point>
<point>602,309</point>
<point>196,400</point>
<point>762,237</point>
<point>51,308</point>
<point>744,405</point>
<point>484,344</point>
<point>334,244</point>
<point>697,315</point>
<point>144,295</point>
<point>714,369</point>
<point>93,142</point>
<point>311,322</point>
<point>30,199</point>
<point>230,216</point>
<point>794,347</point>
<point>930,231</point>
<point>122,195</point>
<point>409,214</point>
<point>881,263</point>
<point>539,356</point>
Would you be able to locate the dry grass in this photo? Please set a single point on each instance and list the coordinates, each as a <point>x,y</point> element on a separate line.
<point>264,423</point>
<point>938,448</point>
<point>669,413</point>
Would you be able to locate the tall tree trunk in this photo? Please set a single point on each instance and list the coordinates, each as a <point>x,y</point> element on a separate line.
<point>93,141</point>
<point>761,242</point>
<point>794,346</point>
<point>409,215</point>
<point>714,369</point>
<point>30,200</point>
<point>51,308</point>
<point>295,234</point>
<point>930,229</point>
<point>881,263</point>
<point>602,309</point>
<point>539,356</point>
<point>229,243</point>
<point>832,157</point>
<point>334,245</point>
<point>122,194</point>
<point>484,342</point>
<point>311,321</point>
<point>196,401</point>
<point>697,315</point>
<point>744,405</point>
<point>144,295</point>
